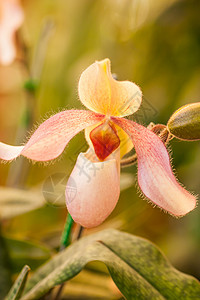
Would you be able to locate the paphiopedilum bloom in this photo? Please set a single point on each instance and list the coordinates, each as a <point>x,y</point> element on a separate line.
<point>11,18</point>
<point>96,175</point>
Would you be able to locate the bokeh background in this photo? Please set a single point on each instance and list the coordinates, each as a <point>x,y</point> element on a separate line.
<point>156,44</point>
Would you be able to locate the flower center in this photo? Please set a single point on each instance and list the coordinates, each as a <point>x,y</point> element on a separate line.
<point>104,139</point>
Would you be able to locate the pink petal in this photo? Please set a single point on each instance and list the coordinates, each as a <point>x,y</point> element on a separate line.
<point>155,176</point>
<point>7,49</point>
<point>8,152</point>
<point>11,18</point>
<point>93,189</point>
<point>52,136</point>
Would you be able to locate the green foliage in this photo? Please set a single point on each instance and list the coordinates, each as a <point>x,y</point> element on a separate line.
<point>156,44</point>
<point>5,272</point>
<point>14,202</point>
<point>24,252</point>
<point>19,284</point>
<point>137,267</point>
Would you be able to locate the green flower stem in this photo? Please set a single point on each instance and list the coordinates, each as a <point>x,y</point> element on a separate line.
<point>65,238</point>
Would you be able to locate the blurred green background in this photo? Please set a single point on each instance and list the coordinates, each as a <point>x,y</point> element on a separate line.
<point>156,44</point>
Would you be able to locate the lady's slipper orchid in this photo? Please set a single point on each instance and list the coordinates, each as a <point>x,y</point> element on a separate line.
<point>96,173</point>
<point>11,18</point>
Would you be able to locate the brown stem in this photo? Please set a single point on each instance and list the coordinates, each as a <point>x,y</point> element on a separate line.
<point>129,161</point>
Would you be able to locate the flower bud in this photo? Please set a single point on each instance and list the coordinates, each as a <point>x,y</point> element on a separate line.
<point>184,124</point>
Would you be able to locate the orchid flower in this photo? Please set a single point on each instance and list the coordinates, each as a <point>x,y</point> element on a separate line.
<point>11,18</point>
<point>96,175</point>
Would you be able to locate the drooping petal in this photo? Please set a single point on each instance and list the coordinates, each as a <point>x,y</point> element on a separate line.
<point>100,92</point>
<point>155,176</point>
<point>11,18</point>
<point>52,136</point>
<point>93,189</point>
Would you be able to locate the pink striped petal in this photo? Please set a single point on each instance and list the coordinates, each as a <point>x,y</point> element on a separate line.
<point>155,176</point>
<point>93,189</point>
<point>52,136</point>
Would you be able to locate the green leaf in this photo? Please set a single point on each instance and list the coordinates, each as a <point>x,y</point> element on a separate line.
<point>19,284</point>
<point>14,202</point>
<point>137,267</point>
<point>25,252</point>
<point>5,272</point>
<point>185,122</point>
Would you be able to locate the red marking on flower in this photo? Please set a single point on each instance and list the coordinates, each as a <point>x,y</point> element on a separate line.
<point>97,181</point>
<point>105,140</point>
